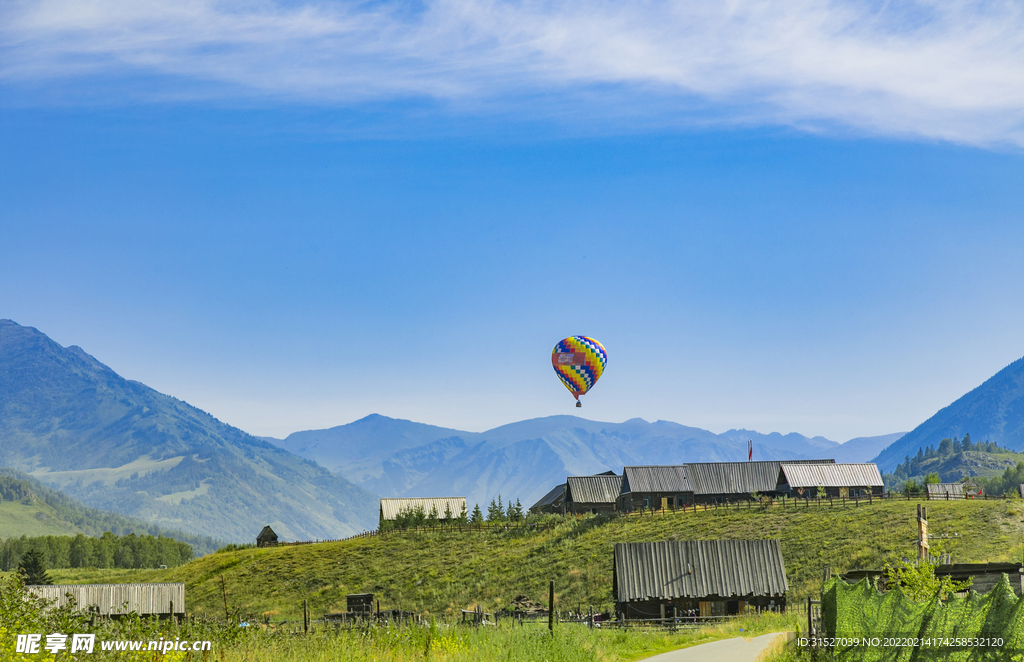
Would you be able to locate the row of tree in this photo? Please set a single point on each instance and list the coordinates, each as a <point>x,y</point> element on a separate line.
<point>106,551</point>
<point>496,512</point>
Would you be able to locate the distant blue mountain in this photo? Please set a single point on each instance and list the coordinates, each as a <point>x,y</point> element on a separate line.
<point>992,412</point>
<point>524,460</point>
<point>75,425</point>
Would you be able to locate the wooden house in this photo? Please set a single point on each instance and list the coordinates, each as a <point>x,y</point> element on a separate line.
<point>592,494</point>
<point>674,486</point>
<point>946,491</point>
<point>655,487</point>
<point>713,577</point>
<point>390,509</point>
<point>161,600</point>
<point>266,538</point>
<point>803,480</point>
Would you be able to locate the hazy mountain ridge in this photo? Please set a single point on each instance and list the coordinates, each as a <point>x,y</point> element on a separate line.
<point>526,458</point>
<point>75,424</point>
<point>994,411</point>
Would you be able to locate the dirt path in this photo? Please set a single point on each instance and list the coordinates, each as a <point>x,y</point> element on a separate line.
<point>726,650</point>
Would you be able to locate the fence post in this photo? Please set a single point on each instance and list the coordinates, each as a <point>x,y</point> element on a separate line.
<point>551,607</point>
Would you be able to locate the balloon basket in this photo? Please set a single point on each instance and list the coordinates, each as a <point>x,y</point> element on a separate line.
<point>579,404</point>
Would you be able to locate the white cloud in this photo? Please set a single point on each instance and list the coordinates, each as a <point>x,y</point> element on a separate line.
<point>947,70</point>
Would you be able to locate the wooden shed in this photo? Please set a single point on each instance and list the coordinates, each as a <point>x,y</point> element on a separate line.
<point>665,486</point>
<point>946,491</point>
<point>390,509</point>
<point>710,577</point>
<point>266,538</point>
<point>163,600</point>
<point>837,480</point>
<point>592,494</point>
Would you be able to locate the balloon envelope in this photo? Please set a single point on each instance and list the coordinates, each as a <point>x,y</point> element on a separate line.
<point>579,361</point>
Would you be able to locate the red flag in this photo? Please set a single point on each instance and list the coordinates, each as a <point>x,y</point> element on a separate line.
<point>750,450</point>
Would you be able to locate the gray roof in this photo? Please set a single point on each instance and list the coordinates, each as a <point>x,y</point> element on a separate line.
<point>656,479</point>
<point>593,489</point>
<point>955,489</point>
<point>392,508</point>
<point>552,498</point>
<point>698,568</point>
<point>832,475</point>
<point>739,477</point>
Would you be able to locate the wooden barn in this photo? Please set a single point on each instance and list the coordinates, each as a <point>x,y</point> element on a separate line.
<point>592,494</point>
<point>837,480</point>
<point>266,538</point>
<point>390,509</point>
<point>162,600</point>
<point>712,577</point>
<point>656,487</point>
<point>946,491</point>
<point>551,502</point>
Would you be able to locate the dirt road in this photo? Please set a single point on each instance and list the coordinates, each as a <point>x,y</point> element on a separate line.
<point>726,650</point>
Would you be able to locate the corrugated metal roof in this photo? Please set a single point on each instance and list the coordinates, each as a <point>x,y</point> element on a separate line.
<point>670,478</point>
<point>832,475</point>
<point>110,598</point>
<point>953,489</point>
<point>552,498</point>
<point>391,508</point>
<point>593,489</point>
<point>699,568</point>
<point>733,477</point>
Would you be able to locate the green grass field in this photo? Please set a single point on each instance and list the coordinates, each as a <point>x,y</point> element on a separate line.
<point>506,643</point>
<point>438,573</point>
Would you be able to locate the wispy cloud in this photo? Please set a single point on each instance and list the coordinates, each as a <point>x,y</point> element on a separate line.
<point>935,69</point>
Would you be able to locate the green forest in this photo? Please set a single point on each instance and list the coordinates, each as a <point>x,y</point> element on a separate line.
<point>17,486</point>
<point>107,551</point>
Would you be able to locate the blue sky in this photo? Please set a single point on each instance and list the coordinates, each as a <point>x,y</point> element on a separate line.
<point>794,217</point>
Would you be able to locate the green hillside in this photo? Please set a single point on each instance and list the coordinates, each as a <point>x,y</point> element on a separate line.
<point>35,518</point>
<point>441,573</point>
<point>29,508</point>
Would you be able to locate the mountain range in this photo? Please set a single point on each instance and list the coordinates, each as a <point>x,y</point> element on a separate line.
<point>74,424</point>
<point>395,458</point>
<point>994,411</point>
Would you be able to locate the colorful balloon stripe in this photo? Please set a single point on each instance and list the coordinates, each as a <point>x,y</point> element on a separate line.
<point>579,362</point>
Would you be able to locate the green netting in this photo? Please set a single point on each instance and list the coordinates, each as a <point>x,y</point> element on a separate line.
<point>870,626</point>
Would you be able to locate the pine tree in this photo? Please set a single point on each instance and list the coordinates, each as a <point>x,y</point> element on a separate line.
<point>477,517</point>
<point>33,567</point>
<point>493,512</point>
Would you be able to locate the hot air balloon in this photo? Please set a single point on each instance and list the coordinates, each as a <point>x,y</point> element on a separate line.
<point>579,361</point>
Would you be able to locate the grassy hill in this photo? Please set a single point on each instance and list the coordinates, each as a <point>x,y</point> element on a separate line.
<point>441,573</point>
<point>29,508</point>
